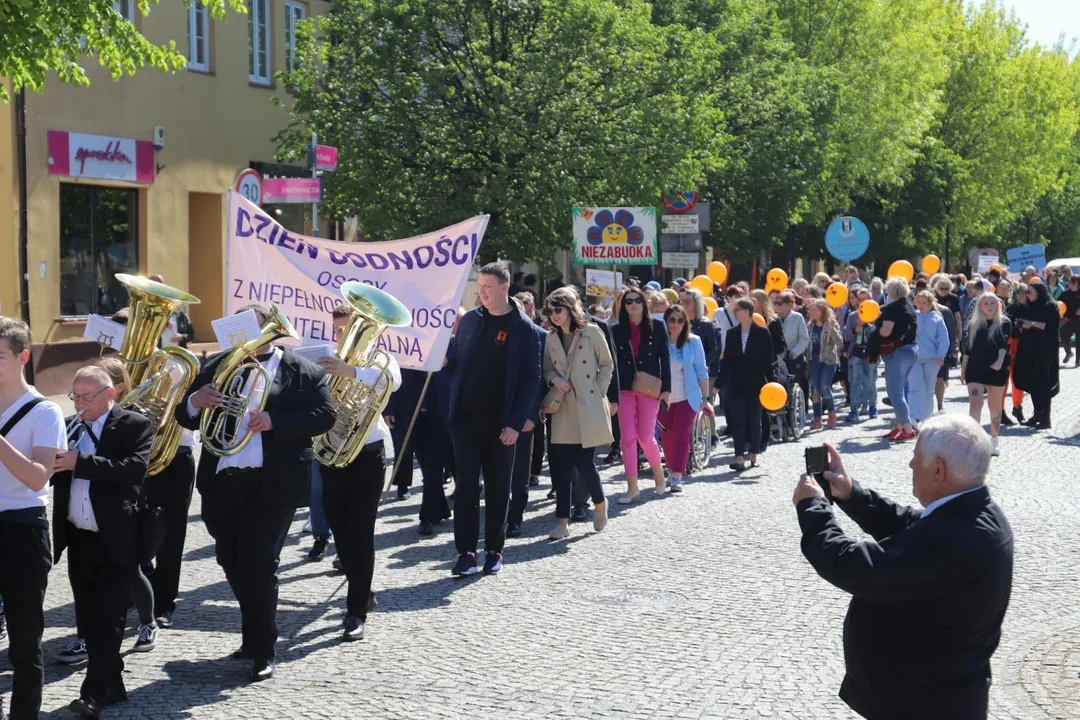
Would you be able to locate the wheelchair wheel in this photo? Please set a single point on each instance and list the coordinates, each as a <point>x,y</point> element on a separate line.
<point>796,411</point>
<point>701,441</point>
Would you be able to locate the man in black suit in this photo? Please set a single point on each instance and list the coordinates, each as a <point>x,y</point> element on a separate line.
<point>930,593</point>
<point>249,498</point>
<point>99,483</point>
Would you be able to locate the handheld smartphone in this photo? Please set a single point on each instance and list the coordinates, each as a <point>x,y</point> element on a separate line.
<point>817,462</point>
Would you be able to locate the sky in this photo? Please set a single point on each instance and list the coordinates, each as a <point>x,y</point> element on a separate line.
<point>1047,19</point>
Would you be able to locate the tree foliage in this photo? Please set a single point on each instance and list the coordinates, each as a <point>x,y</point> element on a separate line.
<point>39,37</point>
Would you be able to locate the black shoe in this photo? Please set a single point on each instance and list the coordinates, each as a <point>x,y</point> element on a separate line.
<point>1031,421</point>
<point>579,513</point>
<point>354,629</point>
<point>886,401</point>
<point>262,670</point>
<point>426,528</point>
<point>86,707</point>
<point>164,620</point>
<point>242,654</point>
<point>318,550</point>
<point>738,467</point>
<point>1018,413</point>
<point>534,481</point>
<point>465,565</point>
<point>372,603</point>
<point>551,494</point>
<point>1005,421</point>
<point>403,494</point>
<point>513,529</point>
<point>337,564</point>
<point>612,458</point>
<point>493,563</point>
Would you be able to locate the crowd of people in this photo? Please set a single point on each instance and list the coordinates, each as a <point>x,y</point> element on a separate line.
<point>523,379</point>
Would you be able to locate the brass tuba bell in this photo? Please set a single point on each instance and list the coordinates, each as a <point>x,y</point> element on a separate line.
<point>358,404</point>
<point>239,370</point>
<point>154,392</point>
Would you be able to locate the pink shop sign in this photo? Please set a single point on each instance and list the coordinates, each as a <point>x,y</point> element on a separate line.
<point>100,156</point>
<point>276,191</point>
<point>325,158</point>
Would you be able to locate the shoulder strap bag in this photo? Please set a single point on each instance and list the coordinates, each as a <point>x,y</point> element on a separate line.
<point>645,383</point>
<point>19,415</point>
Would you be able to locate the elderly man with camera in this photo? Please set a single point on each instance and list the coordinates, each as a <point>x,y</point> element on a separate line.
<point>930,591</point>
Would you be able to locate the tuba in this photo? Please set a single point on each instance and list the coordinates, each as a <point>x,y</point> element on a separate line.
<point>358,404</point>
<point>240,369</point>
<point>154,392</point>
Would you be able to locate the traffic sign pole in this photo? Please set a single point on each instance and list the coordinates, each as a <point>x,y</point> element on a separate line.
<point>315,175</point>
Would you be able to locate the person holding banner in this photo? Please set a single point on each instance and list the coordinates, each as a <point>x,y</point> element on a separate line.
<point>249,498</point>
<point>495,364</point>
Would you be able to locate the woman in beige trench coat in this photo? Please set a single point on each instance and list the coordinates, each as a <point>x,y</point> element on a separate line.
<point>577,363</point>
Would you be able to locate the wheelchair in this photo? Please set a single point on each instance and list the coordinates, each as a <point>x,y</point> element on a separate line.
<point>701,438</point>
<point>789,422</point>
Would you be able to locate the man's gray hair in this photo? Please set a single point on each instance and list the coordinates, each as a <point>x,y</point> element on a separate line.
<point>95,373</point>
<point>960,443</point>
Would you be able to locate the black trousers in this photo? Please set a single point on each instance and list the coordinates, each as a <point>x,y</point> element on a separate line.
<point>1069,329</point>
<point>351,501</point>
<point>524,452</point>
<point>573,465</point>
<point>538,448</point>
<point>404,452</point>
<point>171,491</point>
<point>249,529</point>
<point>744,413</point>
<point>477,448</point>
<point>101,588</point>
<point>25,561</point>
<point>433,451</point>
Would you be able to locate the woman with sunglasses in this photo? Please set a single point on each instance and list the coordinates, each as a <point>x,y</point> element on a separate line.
<point>641,355</point>
<point>1037,354</point>
<point>748,364</point>
<point>578,364</point>
<point>689,391</point>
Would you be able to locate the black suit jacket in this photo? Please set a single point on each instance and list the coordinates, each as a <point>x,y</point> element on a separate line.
<point>748,371</point>
<point>117,472</point>
<point>928,601</point>
<point>300,408</point>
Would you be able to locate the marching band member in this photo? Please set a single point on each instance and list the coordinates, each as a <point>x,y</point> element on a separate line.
<point>98,483</point>
<point>31,435</point>
<point>249,498</point>
<point>350,496</point>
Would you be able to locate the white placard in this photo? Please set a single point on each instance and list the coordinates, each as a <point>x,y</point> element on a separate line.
<point>238,329</point>
<point>681,260</point>
<point>679,224</point>
<point>314,352</point>
<point>985,261</point>
<point>105,331</point>
<point>602,283</point>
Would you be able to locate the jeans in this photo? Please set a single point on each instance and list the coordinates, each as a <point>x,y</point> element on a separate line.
<point>319,527</point>
<point>922,381</point>
<point>637,422</point>
<point>821,378</point>
<point>862,377</point>
<point>897,367</point>
<point>678,424</point>
<point>570,463</point>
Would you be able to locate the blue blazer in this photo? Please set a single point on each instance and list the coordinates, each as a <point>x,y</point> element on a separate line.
<point>692,356</point>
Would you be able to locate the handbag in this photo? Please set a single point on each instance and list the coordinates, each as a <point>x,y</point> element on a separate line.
<point>553,399</point>
<point>645,383</point>
<point>150,527</point>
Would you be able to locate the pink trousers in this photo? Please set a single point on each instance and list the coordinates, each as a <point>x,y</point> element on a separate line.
<point>637,424</point>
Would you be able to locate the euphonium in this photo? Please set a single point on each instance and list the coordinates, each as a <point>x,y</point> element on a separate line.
<point>219,426</point>
<point>154,392</point>
<point>358,404</point>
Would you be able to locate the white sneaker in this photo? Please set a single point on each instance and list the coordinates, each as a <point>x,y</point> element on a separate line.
<point>675,483</point>
<point>995,451</point>
<point>559,532</point>
<point>147,638</point>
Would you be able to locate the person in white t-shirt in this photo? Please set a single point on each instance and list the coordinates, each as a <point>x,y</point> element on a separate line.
<point>31,439</point>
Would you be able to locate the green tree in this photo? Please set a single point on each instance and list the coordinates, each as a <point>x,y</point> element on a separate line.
<point>443,109</point>
<point>38,37</point>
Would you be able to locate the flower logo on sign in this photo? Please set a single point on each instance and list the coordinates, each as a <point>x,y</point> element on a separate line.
<point>617,228</point>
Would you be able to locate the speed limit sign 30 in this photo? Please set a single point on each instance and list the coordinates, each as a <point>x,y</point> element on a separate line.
<point>249,184</point>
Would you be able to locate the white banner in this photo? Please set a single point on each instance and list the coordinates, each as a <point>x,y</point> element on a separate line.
<point>302,275</point>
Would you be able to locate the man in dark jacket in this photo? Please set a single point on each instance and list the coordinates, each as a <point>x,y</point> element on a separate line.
<point>494,361</point>
<point>930,594</point>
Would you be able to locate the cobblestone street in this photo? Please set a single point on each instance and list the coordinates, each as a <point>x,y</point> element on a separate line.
<point>697,605</point>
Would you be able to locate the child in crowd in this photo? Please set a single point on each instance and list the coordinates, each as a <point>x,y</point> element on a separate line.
<point>862,374</point>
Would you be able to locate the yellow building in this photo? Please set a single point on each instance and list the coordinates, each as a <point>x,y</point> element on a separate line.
<point>131,176</point>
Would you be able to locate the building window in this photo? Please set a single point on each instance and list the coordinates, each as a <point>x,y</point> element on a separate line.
<point>126,8</point>
<point>198,35</point>
<point>294,13</point>
<point>98,238</point>
<point>259,41</point>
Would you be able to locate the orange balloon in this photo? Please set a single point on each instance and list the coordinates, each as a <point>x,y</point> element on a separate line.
<point>776,279</point>
<point>995,266</point>
<point>836,294</point>
<point>931,264</point>
<point>702,283</point>
<point>902,268</point>
<point>773,396</point>
<point>1061,308</point>
<point>1034,279</point>
<point>711,306</point>
<point>717,272</point>
<point>759,319</point>
<point>869,311</point>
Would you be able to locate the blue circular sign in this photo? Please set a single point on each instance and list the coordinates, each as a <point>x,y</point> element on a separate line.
<point>847,239</point>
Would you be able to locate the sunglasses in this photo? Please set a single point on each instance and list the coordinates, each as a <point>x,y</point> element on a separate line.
<point>553,309</point>
<point>676,320</point>
<point>636,300</point>
<point>89,397</point>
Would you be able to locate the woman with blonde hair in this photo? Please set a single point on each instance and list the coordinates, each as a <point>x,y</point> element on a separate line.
<point>986,366</point>
<point>578,365</point>
<point>822,281</point>
<point>825,342</point>
<point>895,342</point>
<point>932,341</point>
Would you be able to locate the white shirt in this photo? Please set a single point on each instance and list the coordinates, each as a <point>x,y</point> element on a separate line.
<point>369,376</point>
<point>80,511</point>
<point>187,437</point>
<point>43,427</point>
<point>678,382</point>
<point>941,501</point>
<point>745,337</point>
<point>725,319</point>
